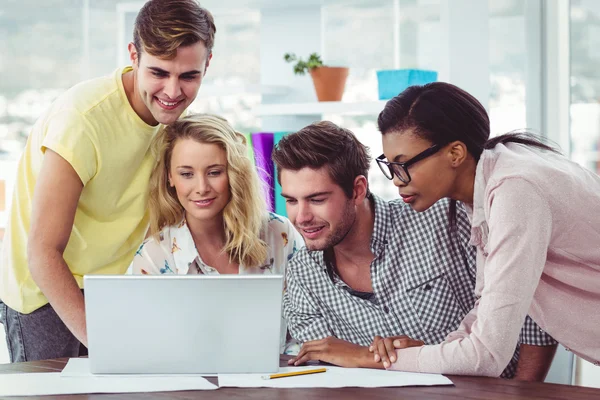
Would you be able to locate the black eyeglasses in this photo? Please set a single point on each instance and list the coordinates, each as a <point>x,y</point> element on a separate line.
<point>400,169</point>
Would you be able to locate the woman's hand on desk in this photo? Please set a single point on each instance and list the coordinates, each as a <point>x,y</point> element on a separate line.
<point>384,349</point>
<point>335,351</point>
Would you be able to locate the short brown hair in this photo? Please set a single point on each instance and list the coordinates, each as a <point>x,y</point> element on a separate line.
<point>162,26</point>
<point>324,144</point>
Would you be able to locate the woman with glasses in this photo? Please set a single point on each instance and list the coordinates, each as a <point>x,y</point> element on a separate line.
<point>207,212</point>
<point>535,219</point>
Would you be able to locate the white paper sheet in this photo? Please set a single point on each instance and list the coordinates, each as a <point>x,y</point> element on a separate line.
<point>81,367</point>
<point>49,383</point>
<point>335,377</point>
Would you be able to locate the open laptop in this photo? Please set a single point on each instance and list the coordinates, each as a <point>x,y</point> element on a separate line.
<point>182,324</point>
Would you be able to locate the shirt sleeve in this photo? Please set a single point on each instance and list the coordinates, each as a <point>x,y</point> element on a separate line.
<point>149,259</point>
<point>303,317</point>
<point>520,227</point>
<point>68,134</point>
<point>530,332</point>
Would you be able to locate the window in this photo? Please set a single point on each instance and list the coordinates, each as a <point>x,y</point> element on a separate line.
<point>372,35</point>
<point>234,72</point>
<point>47,56</point>
<point>507,52</point>
<point>585,83</point>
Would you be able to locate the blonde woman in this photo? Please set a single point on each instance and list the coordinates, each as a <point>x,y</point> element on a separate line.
<point>207,212</point>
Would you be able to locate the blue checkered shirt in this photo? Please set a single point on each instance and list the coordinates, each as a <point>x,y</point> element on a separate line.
<point>423,278</point>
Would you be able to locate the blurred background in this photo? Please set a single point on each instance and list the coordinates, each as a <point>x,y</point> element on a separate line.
<point>532,63</point>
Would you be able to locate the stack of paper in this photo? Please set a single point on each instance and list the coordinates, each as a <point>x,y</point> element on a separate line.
<point>81,367</point>
<point>53,383</point>
<point>335,377</point>
<point>76,379</point>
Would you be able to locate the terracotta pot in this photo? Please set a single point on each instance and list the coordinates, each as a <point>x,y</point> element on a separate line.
<point>329,82</point>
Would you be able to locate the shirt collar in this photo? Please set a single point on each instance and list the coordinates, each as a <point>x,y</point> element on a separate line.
<point>183,247</point>
<point>380,224</point>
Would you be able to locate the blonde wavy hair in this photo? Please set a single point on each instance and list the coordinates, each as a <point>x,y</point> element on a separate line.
<point>244,216</point>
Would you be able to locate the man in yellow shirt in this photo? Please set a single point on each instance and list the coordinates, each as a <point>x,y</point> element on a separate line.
<point>80,199</point>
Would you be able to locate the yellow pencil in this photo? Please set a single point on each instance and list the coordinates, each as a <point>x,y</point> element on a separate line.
<point>295,373</point>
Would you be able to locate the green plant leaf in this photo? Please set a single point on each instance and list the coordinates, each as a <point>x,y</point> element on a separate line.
<point>314,61</point>
<point>301,66</point>
<point>289,57</point>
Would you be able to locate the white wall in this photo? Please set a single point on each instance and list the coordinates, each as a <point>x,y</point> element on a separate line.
<point>587,374</point>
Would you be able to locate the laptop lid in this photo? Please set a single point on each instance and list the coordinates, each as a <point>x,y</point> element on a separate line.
<point>169,324</point>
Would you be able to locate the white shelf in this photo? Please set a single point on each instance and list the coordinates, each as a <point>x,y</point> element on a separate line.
<point>323,107</point>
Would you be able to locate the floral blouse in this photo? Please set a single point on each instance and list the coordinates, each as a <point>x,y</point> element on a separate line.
<point>175,253</point>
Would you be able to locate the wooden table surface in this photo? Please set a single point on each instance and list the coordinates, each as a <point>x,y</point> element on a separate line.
<point>465,387</point>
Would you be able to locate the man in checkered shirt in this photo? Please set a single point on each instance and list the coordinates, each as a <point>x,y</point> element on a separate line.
<point>374,268</point>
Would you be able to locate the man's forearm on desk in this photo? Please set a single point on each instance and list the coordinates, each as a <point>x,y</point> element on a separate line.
<point>337,352</point>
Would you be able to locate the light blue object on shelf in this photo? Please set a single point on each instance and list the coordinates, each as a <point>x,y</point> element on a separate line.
<point>392,82</point>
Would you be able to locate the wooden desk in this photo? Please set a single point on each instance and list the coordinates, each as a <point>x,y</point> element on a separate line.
<point>465,388</point>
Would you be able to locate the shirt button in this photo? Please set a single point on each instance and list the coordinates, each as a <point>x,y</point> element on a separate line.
<point>567,349</point>
<point>386,309</point>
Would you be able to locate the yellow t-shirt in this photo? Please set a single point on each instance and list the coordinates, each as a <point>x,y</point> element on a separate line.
<point>94,128</point>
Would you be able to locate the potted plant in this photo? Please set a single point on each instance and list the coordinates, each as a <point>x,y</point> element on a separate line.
<point>329,82</point>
